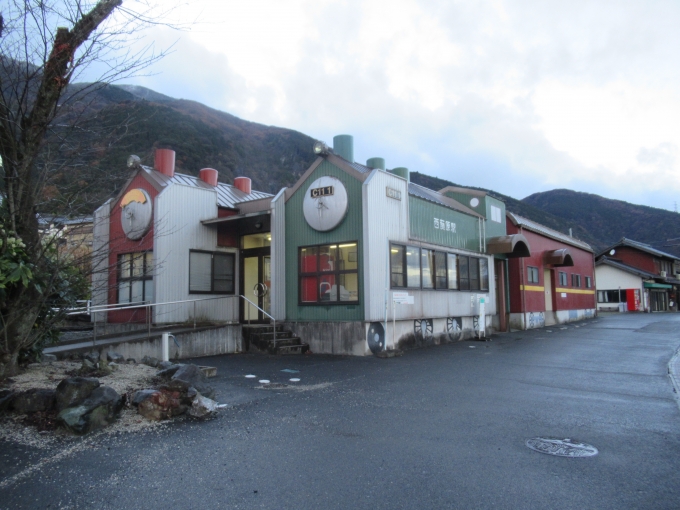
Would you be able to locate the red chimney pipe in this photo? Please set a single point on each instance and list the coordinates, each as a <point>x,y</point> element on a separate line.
<point>244,184</point>
<point>209,176</point>
<point>164,162</point>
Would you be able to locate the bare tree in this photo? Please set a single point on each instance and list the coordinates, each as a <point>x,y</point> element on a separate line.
<point>45,46</point>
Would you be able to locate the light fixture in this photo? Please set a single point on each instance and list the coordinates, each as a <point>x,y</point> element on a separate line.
<point>320,148</point>
<point>133,161</point>
<point>258,225</point>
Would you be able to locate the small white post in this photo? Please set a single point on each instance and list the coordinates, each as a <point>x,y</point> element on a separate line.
<point>165,342</point>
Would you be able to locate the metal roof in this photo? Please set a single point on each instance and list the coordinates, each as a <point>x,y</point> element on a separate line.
<point>548,232</point>
<point>227,195</point>
<point>642,247</point>
<point>419,191</point>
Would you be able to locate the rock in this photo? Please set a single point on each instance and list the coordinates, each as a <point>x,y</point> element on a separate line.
<point>6,397</point>
<point>203,407</point>
<point>88,366</point>
<point>34,400</point>
<point>142,395</point>
<point>97,411</point>
<point>162,404</point>
<point>74,390</point>
<point>113,366</point>
<point>115,357</point>
<point>165,364</point>
<point>191,376</point>
<point>150,360</point>
<point>47,358</point>
<point>169,371</point>
<point>93,357</point>
<point>132,361</point>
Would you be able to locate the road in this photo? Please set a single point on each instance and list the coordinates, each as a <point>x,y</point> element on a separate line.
<point>442,427</point>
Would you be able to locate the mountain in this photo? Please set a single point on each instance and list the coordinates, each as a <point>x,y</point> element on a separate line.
<point>115,121</point>
<point>610,220</point>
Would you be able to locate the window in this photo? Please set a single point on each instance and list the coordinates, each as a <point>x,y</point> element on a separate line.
<point>532,274</point>
<point>611,296</point>
<point>211,273</point>
<point>135,277</point>
<point>405,266</point>
<point>452,266</point>
<point>483,274</point>
<point>463,272</point>
<point>330,273</point>
<point>576,280</point>
<point>589,282</point>
<point>496,214</point>
<point>563,279</point>
<point>427,268</point>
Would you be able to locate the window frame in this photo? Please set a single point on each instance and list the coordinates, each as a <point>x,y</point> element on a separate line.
<point>589,282</point>
<point>532,270</point>
<point>576,280</point>
<point>335,272</point>
<point>563,280</point>
<point>212,290</point>
<point>147,275</point>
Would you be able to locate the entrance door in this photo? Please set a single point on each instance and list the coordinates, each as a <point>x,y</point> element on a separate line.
<point>256,276</point>
<point>547,285</point>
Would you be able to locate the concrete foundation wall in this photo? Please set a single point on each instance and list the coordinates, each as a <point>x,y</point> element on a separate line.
<point>208,342</point>
<point>532,320</point>
<point>332,337</point>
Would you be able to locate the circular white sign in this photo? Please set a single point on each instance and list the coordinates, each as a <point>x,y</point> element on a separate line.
<point>136,215</point>
<point>474,202</point>
<point>325,204</point>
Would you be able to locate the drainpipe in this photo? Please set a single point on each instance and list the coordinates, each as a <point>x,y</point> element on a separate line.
<point>523,285</point>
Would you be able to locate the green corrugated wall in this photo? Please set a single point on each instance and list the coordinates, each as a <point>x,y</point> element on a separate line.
<point>421,219</point>
<point>494,229</point>
<point>299,233</point>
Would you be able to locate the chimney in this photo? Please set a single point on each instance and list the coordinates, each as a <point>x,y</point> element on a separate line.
<point>209,176</point>
<point>243,183</point>
<point>376,163</point>
<point>164,162</point>
<point>343,146</point>
<point>403,172</point>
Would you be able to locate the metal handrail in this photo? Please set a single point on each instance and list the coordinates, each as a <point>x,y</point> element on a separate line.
<point>148,305</point>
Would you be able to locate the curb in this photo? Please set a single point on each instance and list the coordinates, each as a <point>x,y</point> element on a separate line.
<point>673,373</point>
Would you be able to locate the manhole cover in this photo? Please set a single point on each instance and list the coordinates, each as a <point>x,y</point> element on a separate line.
<point>561,447</point>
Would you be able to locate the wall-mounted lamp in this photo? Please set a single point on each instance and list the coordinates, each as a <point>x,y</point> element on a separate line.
<point>258,225</point>
<point>321,149</point>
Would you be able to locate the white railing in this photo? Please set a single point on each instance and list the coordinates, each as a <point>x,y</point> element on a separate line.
<point>93,310</point>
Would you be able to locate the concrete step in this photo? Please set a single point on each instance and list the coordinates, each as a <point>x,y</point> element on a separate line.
<point>292,349</point>
<point>267,337</point>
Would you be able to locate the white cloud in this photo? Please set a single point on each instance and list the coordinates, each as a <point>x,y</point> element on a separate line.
<point>517,96</point>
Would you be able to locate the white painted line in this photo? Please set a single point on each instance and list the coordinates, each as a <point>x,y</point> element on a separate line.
<point>264,381</point>
<point>294,379</point>
<point>251,376</point>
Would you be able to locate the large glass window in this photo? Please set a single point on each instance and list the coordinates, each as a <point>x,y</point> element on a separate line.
<point>440,270</point>
<point>135,277</point>
<point>329,273</point>
<point>463,272</point>
<point>427,268</point>
<point>483,274</point>
<point>211,272</point>
<point>404,266</point>
<point>611,296</point>
<point>452,263</point>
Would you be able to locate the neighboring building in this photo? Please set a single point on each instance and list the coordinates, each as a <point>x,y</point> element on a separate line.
<point>621,287</point>
<point>659,271</point>
<point>327,257</point>
<point>556,283</point>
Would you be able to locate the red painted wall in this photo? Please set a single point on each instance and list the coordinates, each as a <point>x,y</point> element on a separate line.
<point>635,258</point>
<point>226,234</point>
<point>119,244</point>
<point>534,301</point>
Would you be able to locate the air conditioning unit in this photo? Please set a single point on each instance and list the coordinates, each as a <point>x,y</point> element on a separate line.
<point>663,274</point>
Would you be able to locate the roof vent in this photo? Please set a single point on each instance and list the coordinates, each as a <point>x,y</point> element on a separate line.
<point>164,162</point>
<point>376,163</point>
<point>343,146</point>
<point>208,175</point>
<point>402,171</point>
<point>244,184</point>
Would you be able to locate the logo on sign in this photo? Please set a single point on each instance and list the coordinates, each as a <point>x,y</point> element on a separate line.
<point>393,193</point>
<point>326,191</point>
<point>448,226</point>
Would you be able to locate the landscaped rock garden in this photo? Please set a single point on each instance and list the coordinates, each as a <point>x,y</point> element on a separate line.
<point>101,391</point>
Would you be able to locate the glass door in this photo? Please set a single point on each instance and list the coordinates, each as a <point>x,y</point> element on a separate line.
<point>256,284</point>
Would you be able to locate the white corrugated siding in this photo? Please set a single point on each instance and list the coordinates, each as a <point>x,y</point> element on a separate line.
<point>278,255</point>
<point>387,219</point>
<point>178,213</point>
<point>100,257</point>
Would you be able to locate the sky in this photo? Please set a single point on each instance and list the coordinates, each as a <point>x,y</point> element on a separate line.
<point>515,96</point>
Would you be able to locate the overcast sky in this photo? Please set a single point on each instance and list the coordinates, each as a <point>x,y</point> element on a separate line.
<point>515,96</point>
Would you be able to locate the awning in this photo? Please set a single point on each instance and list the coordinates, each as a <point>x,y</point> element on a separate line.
<point>649,285</point>
<point>514,246</point>
<point>558,258</point>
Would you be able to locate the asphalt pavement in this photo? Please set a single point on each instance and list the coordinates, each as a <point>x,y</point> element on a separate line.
<point>441,427</point>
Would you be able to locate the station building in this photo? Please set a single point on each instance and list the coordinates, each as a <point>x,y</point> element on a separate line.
<point>555,284</point>
<point>353,258</point>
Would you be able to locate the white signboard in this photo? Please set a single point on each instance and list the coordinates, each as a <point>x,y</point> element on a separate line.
<point>402,297</point>
<point>393,193</point>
